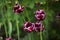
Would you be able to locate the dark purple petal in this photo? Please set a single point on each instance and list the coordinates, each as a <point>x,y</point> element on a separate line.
<point>40,17</point>
<point>18,8</point>
<point>28,26</point>
<point>37,24</point>
<point>38,27</point>
<point>40,11</point>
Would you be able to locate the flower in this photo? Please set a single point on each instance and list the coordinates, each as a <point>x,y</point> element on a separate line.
<point>40,15</point>
<point>8,38</point>
<point>38,27</point>
<point>28,26</point>
<point>18,8</point>
<point>40,11</point>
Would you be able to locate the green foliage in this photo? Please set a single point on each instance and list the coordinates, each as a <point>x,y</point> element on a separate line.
<point>13,23</point>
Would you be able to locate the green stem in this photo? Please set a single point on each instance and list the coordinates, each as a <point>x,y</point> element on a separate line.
<point>41,36</point>
<point>17,29</point>
<point>5,29</point>
<point>4,22</point>
<point>10,27</point>
<point>29,36</point>
<point>9,23</point>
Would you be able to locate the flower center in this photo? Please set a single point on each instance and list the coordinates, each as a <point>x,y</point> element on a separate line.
<point>37,25</point>
<point>29,24</point>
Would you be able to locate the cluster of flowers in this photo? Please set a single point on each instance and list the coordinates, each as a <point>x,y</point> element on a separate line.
<point>18,8</point>
<point>38,26</point>
<point>29,26</point>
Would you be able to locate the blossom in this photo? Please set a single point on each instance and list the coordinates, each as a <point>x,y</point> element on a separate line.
<point>28,26</point>
<point>18,8</point>
<point>38,27</point>
<point>40,15</point>
<point>40,11</point>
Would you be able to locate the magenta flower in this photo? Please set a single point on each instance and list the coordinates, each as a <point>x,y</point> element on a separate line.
<point>8,38</point>
<point>40,11</point>
<point>40,15</point>
<point>28,26</point>
<point>38,27</point>
<point>18,8</point>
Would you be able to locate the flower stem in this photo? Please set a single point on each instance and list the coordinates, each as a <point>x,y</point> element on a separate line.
<point>10,27</point>
<point>41,35</point>
<point>17,29</point>
<point>29,35</point>
<point>3,20</point>
<point>5,29</point>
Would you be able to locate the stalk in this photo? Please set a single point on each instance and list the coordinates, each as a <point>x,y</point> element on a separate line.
<point>10,27</point>
<point>9,22</point>
<point>5,30</point>
<point>17,29</point>
<point>29,35</point>
<point>41,38</point>
<point>17,26</point>
<point>3,20</point>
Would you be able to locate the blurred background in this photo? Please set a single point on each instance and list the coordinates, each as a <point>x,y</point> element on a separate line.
<point>11,24</point>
